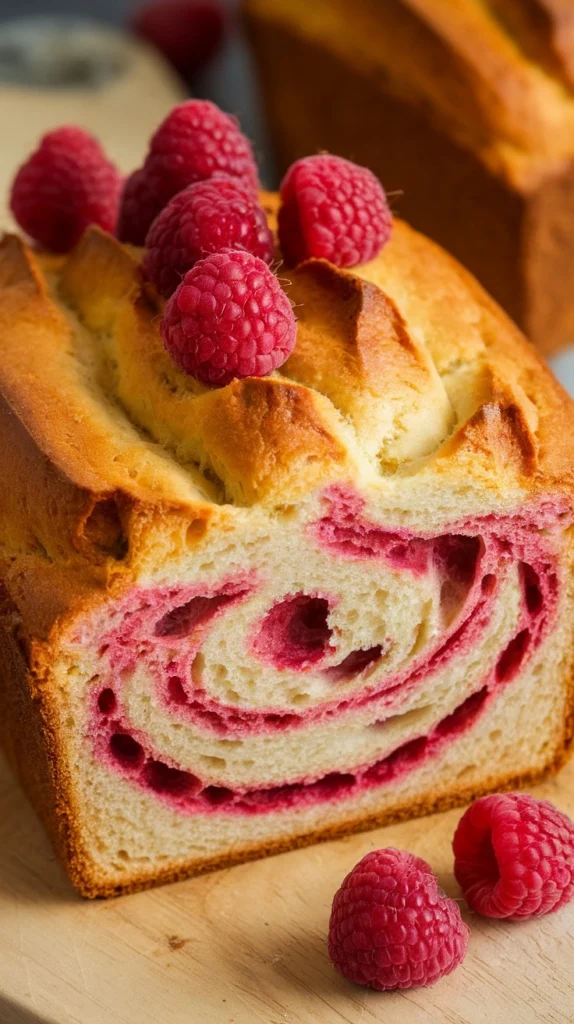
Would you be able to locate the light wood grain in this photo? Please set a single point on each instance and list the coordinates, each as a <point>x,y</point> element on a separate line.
<point>247,945</point>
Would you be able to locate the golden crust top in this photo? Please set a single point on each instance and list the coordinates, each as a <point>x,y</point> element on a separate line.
<point>404,374</point>
<point>498,74</point>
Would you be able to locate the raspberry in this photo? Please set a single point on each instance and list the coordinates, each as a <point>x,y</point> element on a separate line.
<point>206,217</point>
<point>333,210</point>
<point>139,206</point>
<point>392,927</point>
<point>514,856</point>
<point>187,32</point>
<point>229,318</point>
<point>67,184</point>
<point>195,141</point>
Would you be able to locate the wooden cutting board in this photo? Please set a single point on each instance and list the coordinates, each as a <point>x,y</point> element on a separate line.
<point>247,945</point>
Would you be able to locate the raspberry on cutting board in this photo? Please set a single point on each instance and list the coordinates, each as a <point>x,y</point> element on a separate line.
<point>514,856</point>
<point>196,141</point>
<point>391,926</point>
<point>66,185</point>
<point>332,209</point>
<point>229,318</point>
<point>206,217</point>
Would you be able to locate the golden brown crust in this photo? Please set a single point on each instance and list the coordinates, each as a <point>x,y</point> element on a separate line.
<point>384,381</point>
<point>270,437</point>
<point>105,437</point>
<point>58,398</point>
<point>464,327</point>
<point>116,356</point>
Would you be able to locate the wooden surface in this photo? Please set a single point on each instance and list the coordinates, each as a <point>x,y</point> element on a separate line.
<point>247,945</point>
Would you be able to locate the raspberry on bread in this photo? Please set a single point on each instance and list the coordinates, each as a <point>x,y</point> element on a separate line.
<point>239,619</point>
<point>229,318</point>
<point>206,217</point>
<point>67,184</point>
<point>334,210</point>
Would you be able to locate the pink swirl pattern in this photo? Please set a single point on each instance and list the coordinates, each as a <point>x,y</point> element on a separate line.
<point>472,559</point>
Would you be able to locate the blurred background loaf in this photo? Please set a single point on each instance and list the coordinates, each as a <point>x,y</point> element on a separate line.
<point>465,110</point>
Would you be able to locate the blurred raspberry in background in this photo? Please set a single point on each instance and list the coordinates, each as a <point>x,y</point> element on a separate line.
<point>187,32</point>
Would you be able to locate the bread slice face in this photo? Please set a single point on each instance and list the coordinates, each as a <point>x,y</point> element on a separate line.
<point>239,620</point>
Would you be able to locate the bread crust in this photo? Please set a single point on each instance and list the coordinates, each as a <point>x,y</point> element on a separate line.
<point>90,493</point>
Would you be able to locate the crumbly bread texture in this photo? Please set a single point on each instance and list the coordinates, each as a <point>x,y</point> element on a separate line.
<point>465,109</point>
<point>239,620</point>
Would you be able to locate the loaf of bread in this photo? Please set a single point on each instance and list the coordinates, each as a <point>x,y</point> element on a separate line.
<point>465,110</point>
<point>236,620</point>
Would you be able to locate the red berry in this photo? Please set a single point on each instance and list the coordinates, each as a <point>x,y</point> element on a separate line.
<point>332,210</point>
<point>139,206</point>
<point>229,318</point>
<point>392,927</point>
<point>187,32</point>
<point>206,217</point>
<point>196,141</point>
<point>66,185</point>
<point>514,856</point>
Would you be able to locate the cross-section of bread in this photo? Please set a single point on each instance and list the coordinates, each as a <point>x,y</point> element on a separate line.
<point>465,109</point>
<point>242,619</point>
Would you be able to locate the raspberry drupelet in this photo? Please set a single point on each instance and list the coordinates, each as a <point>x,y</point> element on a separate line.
<point>332,209</point>
<point>229,318</point>
<point>65,186</point>
<point>206,217</point>
<point>391,926</point>
<point>514,856</point>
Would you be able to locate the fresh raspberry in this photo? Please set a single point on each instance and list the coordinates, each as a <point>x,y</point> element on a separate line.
<point>206,217</point>
<point>187,32</point>
<point>392,927</point>
<point>67,184</point>
<point>229,318</point>
<point>332,210</point>
<point>139,206</point>
<point>195,141</point>
<point>514,856</point>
